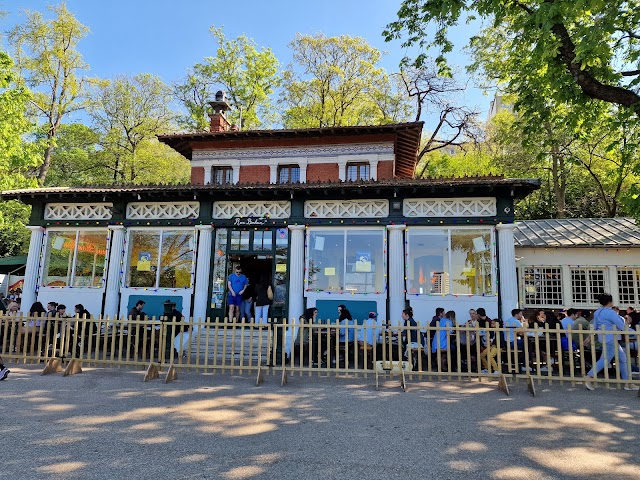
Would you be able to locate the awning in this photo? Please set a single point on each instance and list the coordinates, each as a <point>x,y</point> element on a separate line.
<point>10,264</point>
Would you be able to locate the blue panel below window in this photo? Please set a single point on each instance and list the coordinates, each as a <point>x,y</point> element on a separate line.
<point>154,306</point>
<point>328,309</point>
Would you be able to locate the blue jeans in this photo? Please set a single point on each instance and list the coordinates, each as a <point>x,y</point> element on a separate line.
<point>245,309</point>
<point>611,352</point>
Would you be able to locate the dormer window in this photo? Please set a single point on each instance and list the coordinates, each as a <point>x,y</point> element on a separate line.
<point>221,175</point>
<point>288,174</point>
<point>358,171</point>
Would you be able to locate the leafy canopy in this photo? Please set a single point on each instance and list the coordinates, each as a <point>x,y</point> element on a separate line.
<point>573,49</point>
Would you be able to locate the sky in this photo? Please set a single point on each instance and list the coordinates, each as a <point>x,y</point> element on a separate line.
<point>166,37</point>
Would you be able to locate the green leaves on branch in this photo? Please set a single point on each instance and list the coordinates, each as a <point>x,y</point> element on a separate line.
<point>249,77</point>
<point>572,50</point>
<point>336,81</point>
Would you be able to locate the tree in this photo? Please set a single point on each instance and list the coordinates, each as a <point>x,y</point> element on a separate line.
<point>18,157</point>
<point>336,81</point>
<point>129,112</point>
<point>75,159</point>
<point>576,50</point>
<point>49,62</point>
<point>248,76</point>
<point>434,95</point>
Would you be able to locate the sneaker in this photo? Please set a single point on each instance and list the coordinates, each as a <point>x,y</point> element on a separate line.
<point>588,385</point>
<point>496,372</point>
<point>485,371</point>
<point>551,361</point>
<point>631,386</point>
<point>4,373</point>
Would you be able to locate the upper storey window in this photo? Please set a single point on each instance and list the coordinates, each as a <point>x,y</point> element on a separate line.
<point>358,171</point>
<point>288,174</point>
<point>221,175</point>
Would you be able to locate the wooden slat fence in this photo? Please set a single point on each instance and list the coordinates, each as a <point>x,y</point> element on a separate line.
<point>320,349</point>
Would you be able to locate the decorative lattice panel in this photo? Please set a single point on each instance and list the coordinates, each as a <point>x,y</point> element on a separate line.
<point>226,210</point>
<point>78,211</point>
<point>162,210</point>
<point>346,209</point>
<point>449,207</point>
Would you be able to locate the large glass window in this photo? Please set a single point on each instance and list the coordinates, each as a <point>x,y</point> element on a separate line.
<point>449,261</point>
<point>75,258</point>
<point>346,261</point>
<point>160,258</point>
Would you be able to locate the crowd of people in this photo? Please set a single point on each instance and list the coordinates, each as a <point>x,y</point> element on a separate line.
<point>491,337</point>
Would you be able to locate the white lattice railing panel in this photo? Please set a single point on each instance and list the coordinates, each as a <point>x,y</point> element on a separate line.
<point>346,209</point>
<point>162,210</point>
<point>226,210</point>
<point>449,207</point>
<point>78,211</point>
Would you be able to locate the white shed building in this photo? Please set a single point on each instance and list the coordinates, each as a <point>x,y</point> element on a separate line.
<point>566,263</point>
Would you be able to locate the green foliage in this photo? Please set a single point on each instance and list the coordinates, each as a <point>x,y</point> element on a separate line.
<point>542,50</point>
<point>129,112</point>
<point>336,81</point>
<point>248,76</point>
<point>18,157</point>
<point>48,61</point>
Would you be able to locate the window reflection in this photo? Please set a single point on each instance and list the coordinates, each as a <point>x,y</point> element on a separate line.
<point>428,263</point>
<point>449,261</point>
<point>90,259</point>
<point>175,263</point>
<point>177,259</point>
<point>75,258</point>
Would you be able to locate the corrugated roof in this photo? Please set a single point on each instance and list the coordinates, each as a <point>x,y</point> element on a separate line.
<point>578,232</point>
<point>521,187</point>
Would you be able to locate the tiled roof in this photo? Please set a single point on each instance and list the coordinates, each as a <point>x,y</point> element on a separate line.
<point>520,187</point>
<point>578,232</point>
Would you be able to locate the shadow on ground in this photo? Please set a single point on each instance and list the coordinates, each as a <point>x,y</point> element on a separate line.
<point>108,424</point>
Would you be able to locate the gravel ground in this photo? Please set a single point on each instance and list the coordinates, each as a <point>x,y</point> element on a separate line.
<point>108,424</point>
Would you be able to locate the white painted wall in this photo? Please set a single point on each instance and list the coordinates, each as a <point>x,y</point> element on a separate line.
<point>424,306</point>
<point>91,298</point>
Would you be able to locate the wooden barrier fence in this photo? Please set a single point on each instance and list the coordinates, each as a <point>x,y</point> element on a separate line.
<point>293,348</point>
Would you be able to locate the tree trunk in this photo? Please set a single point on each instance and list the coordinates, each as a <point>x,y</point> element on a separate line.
<point>44,168</point>
<point>559,188</point>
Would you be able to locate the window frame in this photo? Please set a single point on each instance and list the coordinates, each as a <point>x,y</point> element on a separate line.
<point>45,262</point>
<point>449,291</point>
<point>358,166</point>
<point>345,231</point>
<point>546,304</point>
<point>290,167</point>
<point>591,297</point>
<point>634,293</point>
<point>227,172</point>
<point>161,230</point>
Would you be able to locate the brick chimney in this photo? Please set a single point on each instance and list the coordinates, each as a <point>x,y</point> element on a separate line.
<point>219,122</point>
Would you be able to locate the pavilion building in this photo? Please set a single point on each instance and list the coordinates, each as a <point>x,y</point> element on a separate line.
<point>329,215</point>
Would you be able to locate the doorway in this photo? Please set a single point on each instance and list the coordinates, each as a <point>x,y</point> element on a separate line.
<point>256,268</point>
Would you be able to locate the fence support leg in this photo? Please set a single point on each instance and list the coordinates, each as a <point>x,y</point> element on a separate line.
<point>74,367</point>
<point>172,374</point>
<point>502,385</point>
<point>285,379</point>
<point>531,385</point>
<point>260,377</point>
<point>52,366</point>
<point>152,373</point>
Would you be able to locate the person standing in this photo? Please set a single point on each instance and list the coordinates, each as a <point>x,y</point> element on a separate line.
<point>263,299</point>
<point>605,318</point>
<point>236,284</point>
<point>247,303</point>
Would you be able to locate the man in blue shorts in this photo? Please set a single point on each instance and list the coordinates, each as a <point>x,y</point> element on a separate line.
<point>237,283</point>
